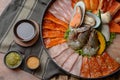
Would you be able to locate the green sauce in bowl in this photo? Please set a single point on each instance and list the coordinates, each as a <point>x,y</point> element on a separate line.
<point>13,59</point>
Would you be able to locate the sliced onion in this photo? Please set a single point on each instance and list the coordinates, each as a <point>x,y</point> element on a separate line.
<point>105,31</point>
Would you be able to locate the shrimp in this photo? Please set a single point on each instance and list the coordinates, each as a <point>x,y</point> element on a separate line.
<point>78,37</point>
<point>92,45</point>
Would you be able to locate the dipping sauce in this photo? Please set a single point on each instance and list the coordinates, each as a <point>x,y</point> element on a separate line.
<point>33,62</point>
<point>25,31</point>
<point>13,59</point>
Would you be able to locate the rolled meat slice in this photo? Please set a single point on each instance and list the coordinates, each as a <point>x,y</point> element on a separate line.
<point>69,63</point>
<point>63,56</point>
<point>103,66</point>
<point>85,69</point>
<point>57,50</point>
<point>77,66</point>
<point>94,68</point>
<point>111,63</point>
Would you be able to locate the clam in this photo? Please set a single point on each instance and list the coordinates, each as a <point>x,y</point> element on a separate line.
<point>92,20</point>
<point>78,15</point>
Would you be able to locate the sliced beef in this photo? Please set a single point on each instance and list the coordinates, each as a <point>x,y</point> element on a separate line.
<point>85,70</point>
<point>70,62</point>
<point>77,66</point>
<point>63,56</point>
<point>94,68</point>
<point>58,49</point>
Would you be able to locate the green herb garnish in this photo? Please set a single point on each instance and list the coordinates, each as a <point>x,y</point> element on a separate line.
<point>99,15</point>
<point>81,52</point>
<point>66,33</point>
<point>112,37</point>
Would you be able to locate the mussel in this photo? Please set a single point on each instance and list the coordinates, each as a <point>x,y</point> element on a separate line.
<point>78,15</point>
<point>92,20</point>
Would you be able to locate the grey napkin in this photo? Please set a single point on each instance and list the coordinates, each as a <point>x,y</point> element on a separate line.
<point>26,9</point>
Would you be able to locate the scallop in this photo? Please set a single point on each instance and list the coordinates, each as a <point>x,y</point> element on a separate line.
<point>78,15</point>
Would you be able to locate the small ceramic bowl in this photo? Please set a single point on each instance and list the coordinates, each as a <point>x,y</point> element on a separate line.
<point>25,30</point>
<point>32,62</point>
<point>13,59</point>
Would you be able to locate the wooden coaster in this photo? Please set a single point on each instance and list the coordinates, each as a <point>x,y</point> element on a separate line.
<point>29,43</point>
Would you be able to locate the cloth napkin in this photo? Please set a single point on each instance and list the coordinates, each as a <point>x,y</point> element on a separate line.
<point>29,9</point>
<point>26,9</point>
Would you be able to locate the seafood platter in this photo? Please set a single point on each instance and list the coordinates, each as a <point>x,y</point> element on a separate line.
<point>82,36</point>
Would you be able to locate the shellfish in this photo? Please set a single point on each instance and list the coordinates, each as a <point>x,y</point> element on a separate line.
<point>78,15</point>
<point>92,20</point>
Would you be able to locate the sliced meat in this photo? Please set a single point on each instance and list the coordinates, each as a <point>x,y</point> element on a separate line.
<point>94,68</point>
<point>57,15</point>
<point>69,63</point>
<point>50,42</point>
<point>114,8</point>
<point>47,24</point>
<point>62,11</point>
<point>59,10</point>
<point>58,49</point>
<point>64,5</point>
<point>114,49</point>
<point>73,2</point>
<point>64,56</point>
<point>103,66</point>
<point>51,17</point>
<point>114,54</point>
<point>77,67</point>
<point>52,34</point>
<point>110,4</point>
<point>117,17</point>
<point>85,70</point>
<point>111,63</point>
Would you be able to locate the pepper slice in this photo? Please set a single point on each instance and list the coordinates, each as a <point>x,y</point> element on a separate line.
<point>102,43</point>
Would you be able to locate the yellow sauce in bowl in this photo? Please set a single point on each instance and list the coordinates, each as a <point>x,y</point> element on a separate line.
<point>33,62</point>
